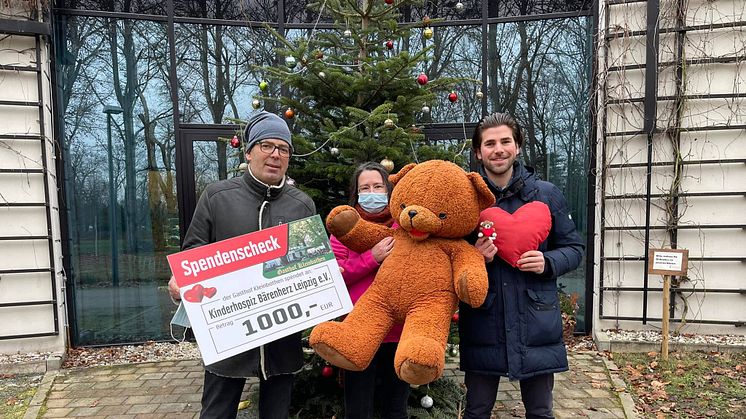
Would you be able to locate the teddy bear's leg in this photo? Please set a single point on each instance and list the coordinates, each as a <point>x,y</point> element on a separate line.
<point>352,343</point>
<point>420,356</point>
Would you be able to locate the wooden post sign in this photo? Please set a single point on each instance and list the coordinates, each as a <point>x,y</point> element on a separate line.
<point>667,262</point>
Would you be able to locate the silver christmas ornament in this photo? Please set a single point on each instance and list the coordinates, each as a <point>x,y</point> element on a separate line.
<point>243,166</point>
<point>426,402</point>
<point>322,75</point>
<point>290,62</point>
<point>480,94</point>
<point>334,151</point>
<point>347,33</point>
<point>256,104</point>
<point>459,6</point>
<point>425,109</point>
<point>388,123</point>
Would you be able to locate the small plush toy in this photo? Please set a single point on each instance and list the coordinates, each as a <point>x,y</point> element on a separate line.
<point>419,284</point>
<point>486,229</point>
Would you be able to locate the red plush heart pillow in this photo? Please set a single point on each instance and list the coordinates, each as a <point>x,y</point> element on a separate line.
<point>521,231</point>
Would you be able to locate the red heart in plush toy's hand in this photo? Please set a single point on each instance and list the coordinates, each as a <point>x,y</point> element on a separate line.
<point>521,231</point>
<point>195,294</point>
<point>209,292</point>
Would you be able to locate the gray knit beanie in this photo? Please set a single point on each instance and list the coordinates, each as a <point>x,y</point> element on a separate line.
<point>263,125</point>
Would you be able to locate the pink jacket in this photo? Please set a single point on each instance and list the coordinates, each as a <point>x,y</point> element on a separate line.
<point>359,271</point>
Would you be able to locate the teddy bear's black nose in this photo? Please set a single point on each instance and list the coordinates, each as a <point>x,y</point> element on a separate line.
<point>412,213</point>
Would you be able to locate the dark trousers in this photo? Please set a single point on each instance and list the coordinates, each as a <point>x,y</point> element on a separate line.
<point>221,395</point>
<point>360,388</point>
<point>481,392</point>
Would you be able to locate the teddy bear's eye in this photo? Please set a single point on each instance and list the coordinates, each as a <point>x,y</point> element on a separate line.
<point>402,206</point>
<point>442,215</point>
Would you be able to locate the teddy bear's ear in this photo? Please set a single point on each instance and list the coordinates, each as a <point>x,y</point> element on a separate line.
<point>397,177</point>
<point>484,195</point>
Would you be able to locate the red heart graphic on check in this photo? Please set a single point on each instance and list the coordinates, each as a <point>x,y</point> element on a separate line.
<point>194,295</point>
<point>209,292</point>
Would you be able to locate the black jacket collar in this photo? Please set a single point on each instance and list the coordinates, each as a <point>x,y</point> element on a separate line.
<point>522,183</point>
<point>267,192</point>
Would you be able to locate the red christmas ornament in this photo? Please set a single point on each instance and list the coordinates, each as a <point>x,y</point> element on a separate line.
<point>327,371</point>
<point>453,97</point>
<point>289,113</point>
<point>454,318</point>
<point>426,20</point>
<point>389,44</point>
<point>389,2</point>
<point>422,79</point>
<point>235,142</point>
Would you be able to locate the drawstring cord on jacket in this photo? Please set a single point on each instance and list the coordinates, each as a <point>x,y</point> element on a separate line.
<point>261,217</point>
<point>269,192</point>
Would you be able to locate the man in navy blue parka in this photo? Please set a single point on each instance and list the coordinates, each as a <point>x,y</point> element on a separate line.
<point>517,332</point>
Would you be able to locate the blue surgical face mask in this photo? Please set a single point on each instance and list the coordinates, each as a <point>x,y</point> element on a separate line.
<point>180,319</point>
<point>373,202</point>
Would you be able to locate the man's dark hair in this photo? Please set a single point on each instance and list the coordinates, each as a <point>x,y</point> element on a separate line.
<point>371,165</point>
<point>495,120</point>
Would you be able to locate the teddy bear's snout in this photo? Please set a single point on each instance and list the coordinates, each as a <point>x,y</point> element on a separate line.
<point>420,219</point>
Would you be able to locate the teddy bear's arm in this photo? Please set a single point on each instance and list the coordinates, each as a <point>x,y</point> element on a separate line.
<point>469,273</point>
<point>354,232</point>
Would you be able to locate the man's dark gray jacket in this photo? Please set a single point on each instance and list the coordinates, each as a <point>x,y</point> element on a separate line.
<point>230,208</point>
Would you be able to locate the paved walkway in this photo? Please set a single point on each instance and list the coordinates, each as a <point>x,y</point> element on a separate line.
<point>172,389</point>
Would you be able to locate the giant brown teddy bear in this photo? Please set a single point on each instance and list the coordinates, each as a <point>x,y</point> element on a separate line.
<point>430,267</point>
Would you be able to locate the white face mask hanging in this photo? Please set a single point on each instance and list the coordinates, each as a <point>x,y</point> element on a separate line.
<point>180,319</point>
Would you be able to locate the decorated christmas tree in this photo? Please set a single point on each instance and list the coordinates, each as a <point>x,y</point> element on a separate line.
<point>354,93</point>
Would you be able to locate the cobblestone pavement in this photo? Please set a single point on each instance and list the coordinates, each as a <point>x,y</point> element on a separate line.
<point>172,389</point>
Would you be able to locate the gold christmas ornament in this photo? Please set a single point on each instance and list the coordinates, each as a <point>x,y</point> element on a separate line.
<point>480,94</point>
<point>428,33</point>
<point>387,164</point>
<point>243,166</point>
<point>256,104</point>
<point>388,123</point>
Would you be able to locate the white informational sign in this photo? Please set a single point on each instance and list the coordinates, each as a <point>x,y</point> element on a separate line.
<point>253,289</point>
<point>668,261</point>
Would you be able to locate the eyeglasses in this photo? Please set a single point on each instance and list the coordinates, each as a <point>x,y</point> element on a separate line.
<point>378,188</point>
<point>269,148</point>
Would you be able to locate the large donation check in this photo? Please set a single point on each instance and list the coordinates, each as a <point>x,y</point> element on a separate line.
<point>244,292</point>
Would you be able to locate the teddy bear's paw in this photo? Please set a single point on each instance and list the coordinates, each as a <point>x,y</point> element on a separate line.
<point>335,358</point>
<point>342,220</point>
<point>418,374</point>
<point>420,359</point>
<point>472,289</point>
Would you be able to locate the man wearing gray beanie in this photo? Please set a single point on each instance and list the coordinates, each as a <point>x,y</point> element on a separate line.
<point>262,125</point>
<point>259,199</point>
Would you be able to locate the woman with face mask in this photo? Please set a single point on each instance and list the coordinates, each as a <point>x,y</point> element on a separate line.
<point>369,194</point>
